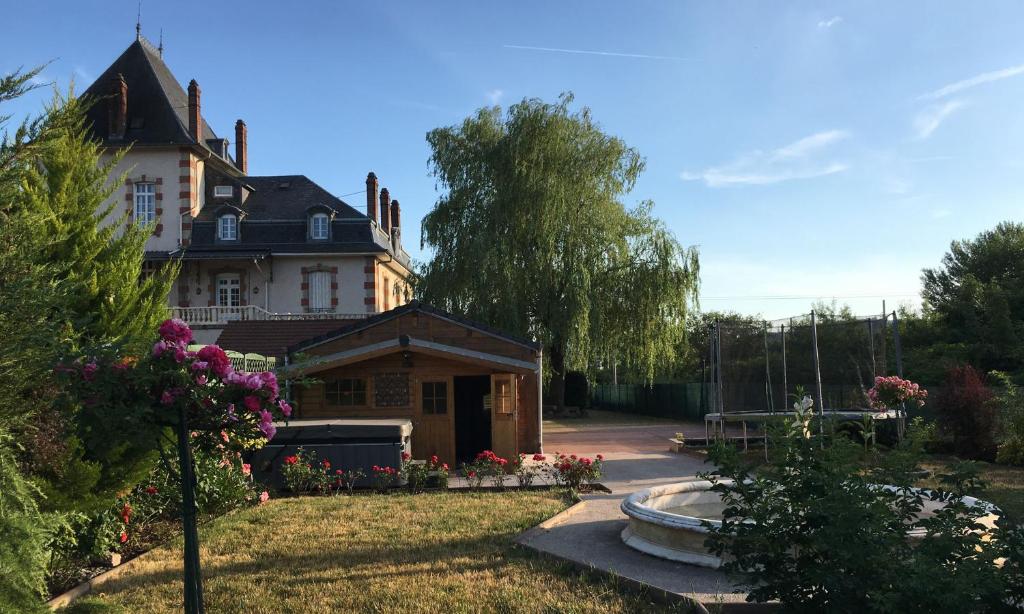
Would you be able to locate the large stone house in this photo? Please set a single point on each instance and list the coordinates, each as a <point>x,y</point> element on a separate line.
<point>250,247</point>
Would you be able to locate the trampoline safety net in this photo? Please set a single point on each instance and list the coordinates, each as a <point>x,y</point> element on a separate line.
<point>759,367</point>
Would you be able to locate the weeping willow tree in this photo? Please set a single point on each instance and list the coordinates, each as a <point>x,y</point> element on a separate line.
<point>531,235</point>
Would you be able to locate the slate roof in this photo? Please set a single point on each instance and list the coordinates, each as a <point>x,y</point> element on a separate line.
<point>410,307</point>
<point>157,104</point>
<point>276,217</point>
<point>272,337</point>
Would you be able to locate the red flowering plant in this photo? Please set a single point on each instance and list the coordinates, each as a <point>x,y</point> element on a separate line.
<point>439,471</point>
<point>489,465</point>
<point>525,470</point>
<point>893,391</point>
<point>416,473</point>
<point>346,479</point>
<point>576,472</point>
<point>383,478</point>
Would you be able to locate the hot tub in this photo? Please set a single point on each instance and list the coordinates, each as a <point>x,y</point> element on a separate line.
<point>671,521</point>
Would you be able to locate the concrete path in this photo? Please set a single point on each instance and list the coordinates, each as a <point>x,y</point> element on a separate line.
<point>590,535</point>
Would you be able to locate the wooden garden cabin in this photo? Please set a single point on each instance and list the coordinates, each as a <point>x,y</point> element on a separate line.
<point>466,387</point>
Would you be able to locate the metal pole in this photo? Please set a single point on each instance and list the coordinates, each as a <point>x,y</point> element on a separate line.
<point>785,377</point>
<point>718,345</point>
<point>896,342</point>
<point>817,377</point>
<point>193,574</point>
<point>768,373</point>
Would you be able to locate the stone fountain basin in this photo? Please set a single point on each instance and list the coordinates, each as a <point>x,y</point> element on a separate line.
<point>671,521</point>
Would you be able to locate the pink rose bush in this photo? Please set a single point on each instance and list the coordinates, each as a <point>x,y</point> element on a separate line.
<point>225,409</point>
<point>891,392</point>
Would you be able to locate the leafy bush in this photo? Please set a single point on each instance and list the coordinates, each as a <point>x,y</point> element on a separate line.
<point>302,473</point>
<point>577,389</point>
<point>577,471</point>
<point>25,537</point>
<point>439,470</point>
<point>415,473</point>
<point>383,478</point>
<point>1010,401</point>
<point>815,532</point>
<point>966,414</point>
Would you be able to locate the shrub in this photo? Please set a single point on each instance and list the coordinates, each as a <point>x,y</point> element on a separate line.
<point>414,472</point>
<point>1010,401</point>
<point>893,391</point>
<point>298,472</point>
<point>25,536</point>
<point>347,479</point>
<point>967,415</point>
<point>813,531</point>
<point>492,466</point>
<point>577,390</point>
<point>473,474</point>
<point>577,471</point>
<point>439,471</point>
<point>384,478</point>
<point>525,471</point>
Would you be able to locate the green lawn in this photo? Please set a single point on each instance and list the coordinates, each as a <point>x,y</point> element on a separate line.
<point>1005,485</point>
<point>435,552</point>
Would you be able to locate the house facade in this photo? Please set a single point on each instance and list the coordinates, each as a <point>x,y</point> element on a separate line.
<point>250,247</point>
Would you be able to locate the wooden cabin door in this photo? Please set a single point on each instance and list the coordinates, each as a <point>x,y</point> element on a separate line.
<point>435,433</point>
<point>504,411</point>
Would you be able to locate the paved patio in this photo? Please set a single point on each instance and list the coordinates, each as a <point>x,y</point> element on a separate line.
<point>636,457</point>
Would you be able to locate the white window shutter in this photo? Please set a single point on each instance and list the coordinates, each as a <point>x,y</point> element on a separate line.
<point>320,291</point>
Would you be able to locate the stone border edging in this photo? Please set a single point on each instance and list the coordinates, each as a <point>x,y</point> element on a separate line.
<point>68,597</point>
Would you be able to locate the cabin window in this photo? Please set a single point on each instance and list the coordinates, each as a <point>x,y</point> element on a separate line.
<point>349,392</point>
<point>504,400</point>
<point>435,397</point>
<point>227,227</point>
<point>319,226</point>
<point>320,291</point>
<point>145,203</point>
<point>229,290</point>
<point>391,390</point>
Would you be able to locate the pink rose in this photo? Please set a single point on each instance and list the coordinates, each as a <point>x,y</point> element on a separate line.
<point>246,469</point>
<point>286,409</point>
<point>219,362</point>
<point>264,497</point>
<point>175,331</point>
<point>252,403</point>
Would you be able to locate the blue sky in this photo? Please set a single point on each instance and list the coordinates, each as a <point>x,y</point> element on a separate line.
<point>810,149</point>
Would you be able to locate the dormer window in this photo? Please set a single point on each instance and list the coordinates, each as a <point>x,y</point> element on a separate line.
<point>227,227</point>
<point>223,191</point>
<point>319,226</point>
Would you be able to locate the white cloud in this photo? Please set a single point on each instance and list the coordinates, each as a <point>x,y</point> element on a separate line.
<point>931,117</point>
<point>985,77</point>
<point>797,160</point>
<point>494,96</point>
<point>828,23</point>
<point>940,213</point>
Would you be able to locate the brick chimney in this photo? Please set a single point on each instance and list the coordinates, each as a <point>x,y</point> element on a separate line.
<point>117,108</point>
<point>396,213</point>
<point>241,147</point>
<point>371,196</point>
<point>385,210</point>
<point>195,119</point>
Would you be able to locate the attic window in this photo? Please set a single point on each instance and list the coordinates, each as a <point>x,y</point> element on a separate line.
<point>223,191</point>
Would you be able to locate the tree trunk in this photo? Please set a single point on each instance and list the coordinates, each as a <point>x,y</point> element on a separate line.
<point>557,390</point>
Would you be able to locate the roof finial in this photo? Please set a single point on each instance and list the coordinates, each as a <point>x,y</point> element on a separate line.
<point>161,47</point>
<point>138,22</point>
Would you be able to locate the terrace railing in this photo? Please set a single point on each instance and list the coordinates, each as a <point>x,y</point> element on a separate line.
<point>218,314</point>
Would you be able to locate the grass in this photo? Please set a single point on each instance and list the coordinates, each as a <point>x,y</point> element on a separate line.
<point>434,552</point>
<point>1004,484</point>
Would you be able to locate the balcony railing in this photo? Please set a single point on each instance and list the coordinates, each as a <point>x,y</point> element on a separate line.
<point>222,315</point>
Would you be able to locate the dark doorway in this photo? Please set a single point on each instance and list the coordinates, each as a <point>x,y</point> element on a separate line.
<point>472,421</point>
